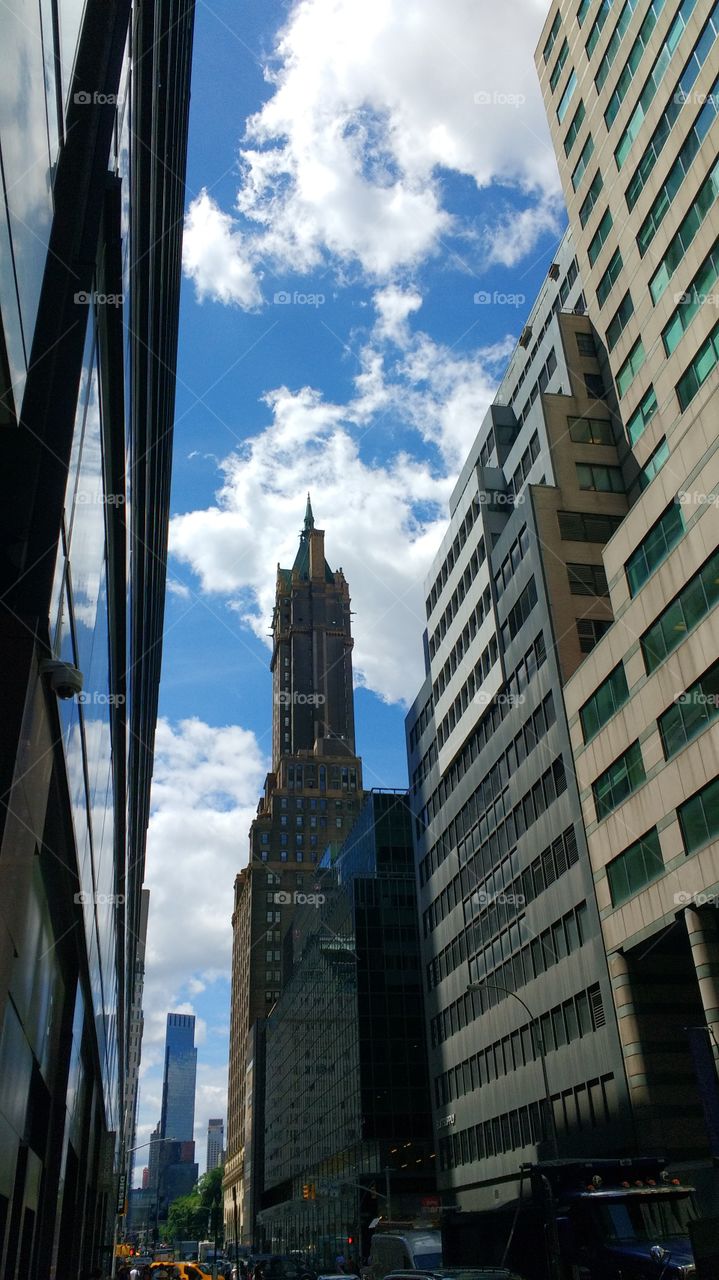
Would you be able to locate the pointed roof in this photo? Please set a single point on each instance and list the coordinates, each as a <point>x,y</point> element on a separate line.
<point>302,559</point>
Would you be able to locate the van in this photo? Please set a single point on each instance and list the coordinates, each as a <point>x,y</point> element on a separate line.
<point>404,1251</point>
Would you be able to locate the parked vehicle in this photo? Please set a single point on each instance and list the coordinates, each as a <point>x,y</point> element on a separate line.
<point>456,1273</point>
<point>585,1220</point>
<point>404,1249</point>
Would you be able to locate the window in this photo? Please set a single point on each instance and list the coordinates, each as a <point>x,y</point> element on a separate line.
<point>610,277</point>
<point>620,320</point>
<point>559,64</point>
<point>635,867</point>
<point>630,368</point>
<point>699,817</point>
<point>696,374</point>
<point>614,43</point>
<point>566,97</point>
<point>690,713</point>
<point>599,479</point>
<point>584,8</point>
<point>590,632</point>
<point>654,464</point>
<point>583,526</point>
<point>655,547</point>
<point>591,198</point>
<point>597,25</point>
<point>618,781</point>
<point>611,694</point>
<point>553,33</point>
<point>590,430</point>
<point>586,345</point>
<point>642,416</point>
<point>587,580</point>
<point>699,292</point>
<point>575,126</point>
<point>583,161</point>
<point>685,612</point>
<point>599,238</point>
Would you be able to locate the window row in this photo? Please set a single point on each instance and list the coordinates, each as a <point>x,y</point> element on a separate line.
<point>476,559</point>
<point>575,1018</point>
<point>422,723</point>
<point>653,81</point>
<point>684,235</point>
<point>699,369</point>
<point>691,301</point>
<point>654,548</point>
<point>502,705</point>
<point>511,562</point>
<point>680,95</point>
<point>634,58</point>
<point>453,554</point>
<point>461,645</point>
<point>682,615</point>
<point>614,43</point>
<point>500,974</point>
<point>587,526</point>
<point>471,687</point>
<point>591,1105</point>
<point>606,700</point>
<point>679,171</point>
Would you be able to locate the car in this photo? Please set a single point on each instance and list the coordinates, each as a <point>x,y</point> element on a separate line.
<point>179,1271</point>
<point>404,1249</point>
<point>337,1275</point>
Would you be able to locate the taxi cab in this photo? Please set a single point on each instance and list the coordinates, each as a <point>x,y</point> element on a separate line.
<point>179,1271</point>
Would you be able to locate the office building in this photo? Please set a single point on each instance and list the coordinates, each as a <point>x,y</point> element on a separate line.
<point>93,162</point>
<point>311,799</point>
<point>179,1079</point>
<point>347,1110</point>
<point>631,96</point>
<point>215,1143</point>
<point>515,598</point>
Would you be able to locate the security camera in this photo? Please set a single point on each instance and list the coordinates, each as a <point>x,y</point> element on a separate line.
<point>65,679</point>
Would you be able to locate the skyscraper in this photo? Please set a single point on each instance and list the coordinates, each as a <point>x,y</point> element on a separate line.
<point>511,938</point>
<point>93,132</point>
<point>179,1080</point>
<point>215,1143</point>
<point>310,801</point>
<point>632,96</point>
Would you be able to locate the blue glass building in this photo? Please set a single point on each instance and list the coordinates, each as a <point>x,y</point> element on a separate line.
<point>178,1085</point>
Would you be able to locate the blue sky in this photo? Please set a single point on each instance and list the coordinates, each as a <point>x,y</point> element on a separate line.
<point>358,171</point>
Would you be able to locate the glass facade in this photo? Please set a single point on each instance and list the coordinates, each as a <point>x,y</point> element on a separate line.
<point>346,1079</point>
<point>178,1087</point>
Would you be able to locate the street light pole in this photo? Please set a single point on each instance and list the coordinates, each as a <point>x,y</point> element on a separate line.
<point>534,1023</point>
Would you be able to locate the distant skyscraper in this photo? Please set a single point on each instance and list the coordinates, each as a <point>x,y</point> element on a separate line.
<point>178,1086</point>
<point>215,1143</point>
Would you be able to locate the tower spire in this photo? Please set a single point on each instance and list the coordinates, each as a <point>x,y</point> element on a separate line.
<point>309,518</point>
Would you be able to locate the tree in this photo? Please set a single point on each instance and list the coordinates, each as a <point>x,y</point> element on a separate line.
<point>195,1216</point>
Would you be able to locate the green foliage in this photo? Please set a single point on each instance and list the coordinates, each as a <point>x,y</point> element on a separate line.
<point>199,1215</point>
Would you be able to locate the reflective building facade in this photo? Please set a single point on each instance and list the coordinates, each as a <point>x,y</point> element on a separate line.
<point>90,230</point>
<point>346,1082</point>
<point>179,1079</point>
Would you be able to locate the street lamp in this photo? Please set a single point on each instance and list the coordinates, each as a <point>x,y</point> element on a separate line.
<point>534,1024</point>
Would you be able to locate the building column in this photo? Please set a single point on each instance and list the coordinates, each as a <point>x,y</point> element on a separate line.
<point>629,1033</point>
<point>704,944</point>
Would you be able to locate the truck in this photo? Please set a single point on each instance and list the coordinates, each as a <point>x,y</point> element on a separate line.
<point>621,1219</point>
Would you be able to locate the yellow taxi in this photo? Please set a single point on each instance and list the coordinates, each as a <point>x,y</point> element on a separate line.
<point>179,1271</point>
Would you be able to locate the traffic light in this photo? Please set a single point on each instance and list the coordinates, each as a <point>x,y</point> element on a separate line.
<point>350,1239</point>
<point>306,1191</point>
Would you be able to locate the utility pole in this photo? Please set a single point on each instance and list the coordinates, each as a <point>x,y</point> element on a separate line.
<point>387,1192</point>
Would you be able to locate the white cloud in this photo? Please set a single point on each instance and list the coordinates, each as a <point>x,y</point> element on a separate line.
<point>374,100</point>
<point>215,256</point>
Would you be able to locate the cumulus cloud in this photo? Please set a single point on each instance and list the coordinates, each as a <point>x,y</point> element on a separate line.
<point>373,102</point>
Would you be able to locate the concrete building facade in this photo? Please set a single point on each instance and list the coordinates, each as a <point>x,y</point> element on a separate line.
<point>631,96</point>
<point>310,801</point>
<point>516,596</point>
